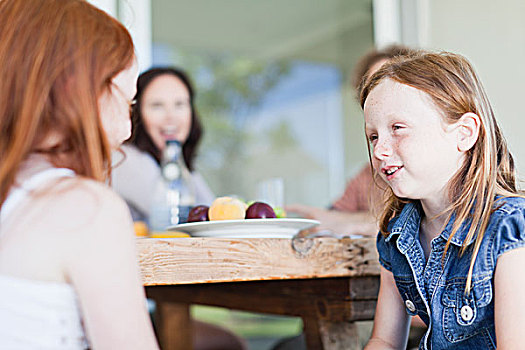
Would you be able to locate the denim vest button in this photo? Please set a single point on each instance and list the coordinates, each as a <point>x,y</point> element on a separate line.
<point>466,313</point>
<point>410,305</point>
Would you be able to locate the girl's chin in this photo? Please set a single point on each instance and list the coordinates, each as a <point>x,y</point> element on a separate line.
<point>400,194</point>
<point>117,142</point>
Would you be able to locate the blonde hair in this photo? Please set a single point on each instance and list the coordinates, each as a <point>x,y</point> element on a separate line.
<point>56,59</point>
<point>488,170</point>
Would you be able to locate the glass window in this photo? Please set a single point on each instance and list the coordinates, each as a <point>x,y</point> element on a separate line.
<point>273,89</point>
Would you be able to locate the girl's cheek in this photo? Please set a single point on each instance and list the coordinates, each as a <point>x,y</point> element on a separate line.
<point>402,143</point>
<point>376,165</point>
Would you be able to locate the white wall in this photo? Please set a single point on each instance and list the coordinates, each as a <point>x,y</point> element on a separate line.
<point>110,6</point>
<point>491,34</point>
<point>136,17</point>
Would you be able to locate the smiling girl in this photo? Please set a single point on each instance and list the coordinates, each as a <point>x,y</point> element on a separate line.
<point>452,231</point>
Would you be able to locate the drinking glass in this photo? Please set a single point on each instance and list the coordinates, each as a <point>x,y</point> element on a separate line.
<point>271,191</point>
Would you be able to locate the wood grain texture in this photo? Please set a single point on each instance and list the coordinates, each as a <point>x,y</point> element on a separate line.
<point>328,306</point>
<point>321,298</point>
<point>205,260</point>
<point>329,283</point>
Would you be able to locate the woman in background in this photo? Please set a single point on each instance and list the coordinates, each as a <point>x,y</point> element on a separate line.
<point>68,268</point>
<point>164,110</point>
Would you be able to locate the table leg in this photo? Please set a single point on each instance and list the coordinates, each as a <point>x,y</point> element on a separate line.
<point>328,306</point>
<point>339,335</point>
<point>312,333</point>
<point>326,335</point>
<point>173,326</point>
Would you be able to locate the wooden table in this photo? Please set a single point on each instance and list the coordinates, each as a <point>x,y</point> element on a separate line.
<point>328,282</point>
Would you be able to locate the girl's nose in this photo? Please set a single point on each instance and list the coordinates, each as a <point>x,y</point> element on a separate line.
<point>382,149</point>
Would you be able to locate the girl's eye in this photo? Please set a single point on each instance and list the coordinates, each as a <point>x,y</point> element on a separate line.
<point>397,127</point>
<point>372,138</point>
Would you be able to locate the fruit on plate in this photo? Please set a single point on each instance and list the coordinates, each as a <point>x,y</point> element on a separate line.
<point>198,213</point>
<point>141,229</point>
<point>279,212</point>
<point>169,234</point>
<point>260,210</point>
<point>227,208</point>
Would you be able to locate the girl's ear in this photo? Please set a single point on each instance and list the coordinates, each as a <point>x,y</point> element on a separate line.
<point>468,131</point>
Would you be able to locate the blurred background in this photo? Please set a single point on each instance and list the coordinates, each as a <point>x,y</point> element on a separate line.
<point>273,76</point>
<point>273,81</point>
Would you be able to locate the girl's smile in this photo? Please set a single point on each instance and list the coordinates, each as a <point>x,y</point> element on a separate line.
<point>391,171</point>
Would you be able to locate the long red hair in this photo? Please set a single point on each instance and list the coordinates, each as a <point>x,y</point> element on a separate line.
<point>56,59</point>
<point>488,170</point>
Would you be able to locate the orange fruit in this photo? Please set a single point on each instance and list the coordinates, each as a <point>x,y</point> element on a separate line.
<point>141,229</point>
<point>169,234</point>
<point>227,208</point>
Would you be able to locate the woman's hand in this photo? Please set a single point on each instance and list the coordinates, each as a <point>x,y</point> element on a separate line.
<point>339,222</point>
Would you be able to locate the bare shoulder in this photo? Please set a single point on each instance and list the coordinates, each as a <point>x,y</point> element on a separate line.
<point>65,222</point>
<point>97,226</point>
<point>87,194</point>
<point>76,205</point>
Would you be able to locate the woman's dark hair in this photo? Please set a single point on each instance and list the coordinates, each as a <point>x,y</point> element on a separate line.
<point>140,137</point>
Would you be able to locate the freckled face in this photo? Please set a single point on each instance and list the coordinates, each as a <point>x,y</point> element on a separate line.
<point>413,149</point>
<point>166,110</point>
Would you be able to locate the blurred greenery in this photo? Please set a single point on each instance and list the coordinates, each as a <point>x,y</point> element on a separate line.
<point>229,89</point>
<point>249,325</point>
<point>228,86</point>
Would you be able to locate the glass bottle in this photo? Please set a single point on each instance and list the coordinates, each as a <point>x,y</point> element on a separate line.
<point>174,193</point>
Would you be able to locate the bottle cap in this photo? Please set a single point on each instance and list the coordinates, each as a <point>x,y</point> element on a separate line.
<point>172,142</point>
<point>172,152</point>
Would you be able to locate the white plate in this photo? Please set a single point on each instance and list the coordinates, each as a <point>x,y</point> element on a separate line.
<point>248,228</point>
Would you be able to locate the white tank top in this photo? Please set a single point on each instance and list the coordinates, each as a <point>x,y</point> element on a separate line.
<point>38,314</point>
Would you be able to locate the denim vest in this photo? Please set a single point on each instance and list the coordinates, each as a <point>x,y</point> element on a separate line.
<point>435,289</point>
